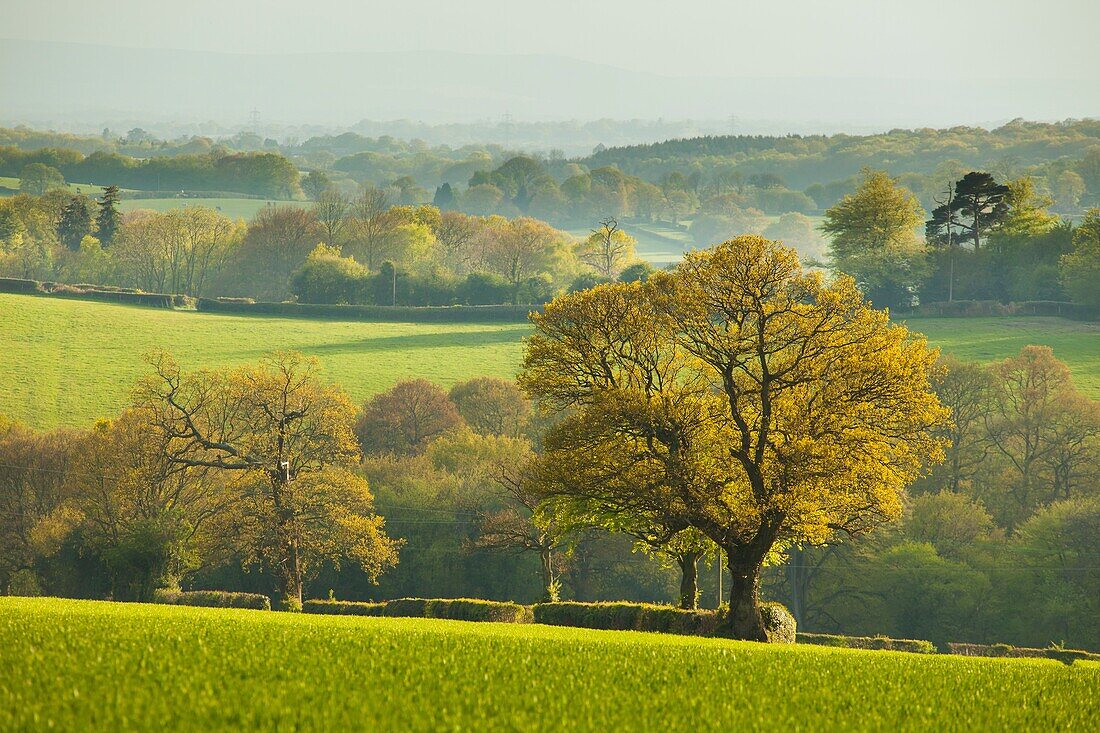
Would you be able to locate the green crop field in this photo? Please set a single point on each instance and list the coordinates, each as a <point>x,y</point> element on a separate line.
<point>87,665</point>
<point>68,362</point>
<point>235,208</point>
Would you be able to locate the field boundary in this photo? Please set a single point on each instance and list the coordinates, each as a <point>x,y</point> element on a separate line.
<point>244,306</point>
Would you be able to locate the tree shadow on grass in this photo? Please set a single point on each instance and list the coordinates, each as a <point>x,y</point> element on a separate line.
<point>412,342</point>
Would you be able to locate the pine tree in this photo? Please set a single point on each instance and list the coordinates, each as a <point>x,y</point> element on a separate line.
<point>75,223</point>
<point>979,205</point>
<point>107,220</point>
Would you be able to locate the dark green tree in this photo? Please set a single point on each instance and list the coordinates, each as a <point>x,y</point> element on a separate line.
<point>316,183</point>
<point>444,197</point>
<point>108,218</point>
<point>75,222</point>
<point>978,205</point>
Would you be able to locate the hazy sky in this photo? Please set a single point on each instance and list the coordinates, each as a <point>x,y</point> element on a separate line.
<point>876,38</point>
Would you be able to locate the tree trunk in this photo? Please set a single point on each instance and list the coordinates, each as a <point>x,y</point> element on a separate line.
<point>743,619</point>
<point>292,581</point>
<point>689,580</point>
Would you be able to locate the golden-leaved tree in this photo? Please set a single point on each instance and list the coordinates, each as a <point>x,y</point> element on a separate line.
<point>286,438</point>
<point>740,396</point>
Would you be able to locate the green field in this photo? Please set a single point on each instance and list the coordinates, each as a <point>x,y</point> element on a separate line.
<point>86,665</point>
<point>234,208</point>
<point>68,362</point>
<point>990,339</point>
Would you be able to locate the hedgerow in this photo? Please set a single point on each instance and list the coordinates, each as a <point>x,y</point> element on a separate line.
<point>882,643</point>
<point>213,599</point>
<point>411,314</point>
<point>456,609</point>
<point>1066,656</point>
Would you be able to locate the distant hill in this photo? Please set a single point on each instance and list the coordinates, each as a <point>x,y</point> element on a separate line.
<point>58,83</point>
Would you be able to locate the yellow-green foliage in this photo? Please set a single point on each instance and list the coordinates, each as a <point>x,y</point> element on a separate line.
<point>882,643</point>
<point>81,665</point>
<point>626,616</point>
<point>213,599</point>
<point>456,609</point>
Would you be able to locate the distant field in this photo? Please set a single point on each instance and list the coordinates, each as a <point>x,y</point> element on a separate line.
<point>87,189</point>
<point>68,362</point>
<point>653,247</point>
<point>81,665</point>
<point>234,208</point>
<point>990,339</point>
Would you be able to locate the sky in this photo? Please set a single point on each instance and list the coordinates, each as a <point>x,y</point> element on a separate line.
<point>929,39</point>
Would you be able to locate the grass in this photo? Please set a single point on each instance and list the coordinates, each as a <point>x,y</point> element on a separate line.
<point>79,665</point>
<point>991,339</point>
<point>234,208</point>
<point>69,362</point>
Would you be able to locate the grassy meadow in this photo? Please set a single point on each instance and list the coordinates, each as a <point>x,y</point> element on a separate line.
<point>989,339</point>
<point>68,362</point>
<point>87,665</point>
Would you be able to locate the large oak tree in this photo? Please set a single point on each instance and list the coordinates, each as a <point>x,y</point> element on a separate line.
<point>739,395</point>
<point>287,439</point>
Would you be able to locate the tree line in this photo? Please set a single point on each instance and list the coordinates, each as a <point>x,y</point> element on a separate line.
<point>355,250</point>
<point>716,178</point>
<point>985,240</point>
<point>220,170</point>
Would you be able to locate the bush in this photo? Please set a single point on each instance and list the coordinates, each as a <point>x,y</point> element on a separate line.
<point>623,616</point>
<point>779,623</point>
<point>1007,651</point>
<point>468,609</point>
<point>213,599</point>
<point>343,608</point>
<point>17,285</point>
<point>456,609</point>
<point>882,643</point>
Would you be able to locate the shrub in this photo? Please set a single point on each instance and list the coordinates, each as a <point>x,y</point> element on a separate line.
<point>17,285</point>
<point>414,607</point>
<point>778,623</point>
<point>467,609</point>
<point>623,616</point>
<point>343,608</point>
<point>456,609</point>
<point>213,599</point>
<point>1066,656</point>
<point>882,643</point>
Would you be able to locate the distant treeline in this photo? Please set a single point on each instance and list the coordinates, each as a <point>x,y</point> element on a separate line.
<point>265,174</point>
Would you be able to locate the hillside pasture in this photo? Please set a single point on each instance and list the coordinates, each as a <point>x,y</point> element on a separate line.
<point>80,665</point>
<point>69,362</point>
